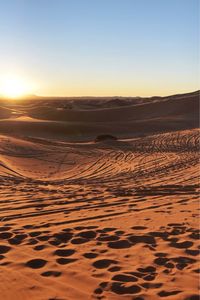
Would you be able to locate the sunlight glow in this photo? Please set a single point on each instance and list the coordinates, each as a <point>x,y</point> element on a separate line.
<point>14,87</point>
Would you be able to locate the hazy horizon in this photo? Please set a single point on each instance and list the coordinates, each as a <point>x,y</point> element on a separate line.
<point>91,96</point>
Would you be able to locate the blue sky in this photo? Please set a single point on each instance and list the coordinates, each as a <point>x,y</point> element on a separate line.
<point>101,47</point>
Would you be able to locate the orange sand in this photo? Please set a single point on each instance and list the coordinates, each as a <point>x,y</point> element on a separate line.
<point>110,220</point>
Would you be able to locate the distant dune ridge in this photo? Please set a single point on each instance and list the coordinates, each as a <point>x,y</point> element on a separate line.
<point>160,113</point>
<point>5,113</point>
<point>99,198</point>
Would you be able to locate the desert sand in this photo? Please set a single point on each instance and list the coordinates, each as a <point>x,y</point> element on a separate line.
<point>114,219</point>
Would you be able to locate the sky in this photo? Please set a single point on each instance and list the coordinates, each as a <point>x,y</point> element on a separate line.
<point>101,47</point>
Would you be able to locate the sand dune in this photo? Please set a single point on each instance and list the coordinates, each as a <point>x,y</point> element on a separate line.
<point>107,220</point>
<point>184,105</point>
<point>5,113</point>
<point>155,116</point>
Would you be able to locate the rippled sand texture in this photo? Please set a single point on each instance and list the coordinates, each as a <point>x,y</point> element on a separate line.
<point>110,220</point>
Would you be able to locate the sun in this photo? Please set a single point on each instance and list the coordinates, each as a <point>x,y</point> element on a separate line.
<point>14,87</point>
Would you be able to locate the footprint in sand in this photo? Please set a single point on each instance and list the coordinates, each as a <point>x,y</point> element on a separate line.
<point>17,239</point>
<point>5,235</point>
<point>104,263</point>
<point>168,293</point>
<point>106,237</point>
<point>121,244</point>
<point>87,234</point>
<point>121,288</point>
<point>39,247</point>
<point>192,252</point>
<point>64,252</point>
<point>63,236</point>
<point>4,249</point>
<point>36,263</point>
<point>5,228</point>
<point>139,227</point>
<point>124,278</point>
<point>114,269</point>
<point>51,274</point>
<point>193,297</point>
<point>90,255</point>
<point>65,261</point>
<point>79,240</point>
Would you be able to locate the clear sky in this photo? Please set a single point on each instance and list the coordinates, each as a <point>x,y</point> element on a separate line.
<point>101,47</point>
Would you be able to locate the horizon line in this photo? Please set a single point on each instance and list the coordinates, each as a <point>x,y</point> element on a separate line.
<point>92,96</point>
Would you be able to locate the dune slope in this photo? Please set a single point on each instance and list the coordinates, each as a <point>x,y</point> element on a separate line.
<point>69,230</point>
<point>50,119</point>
